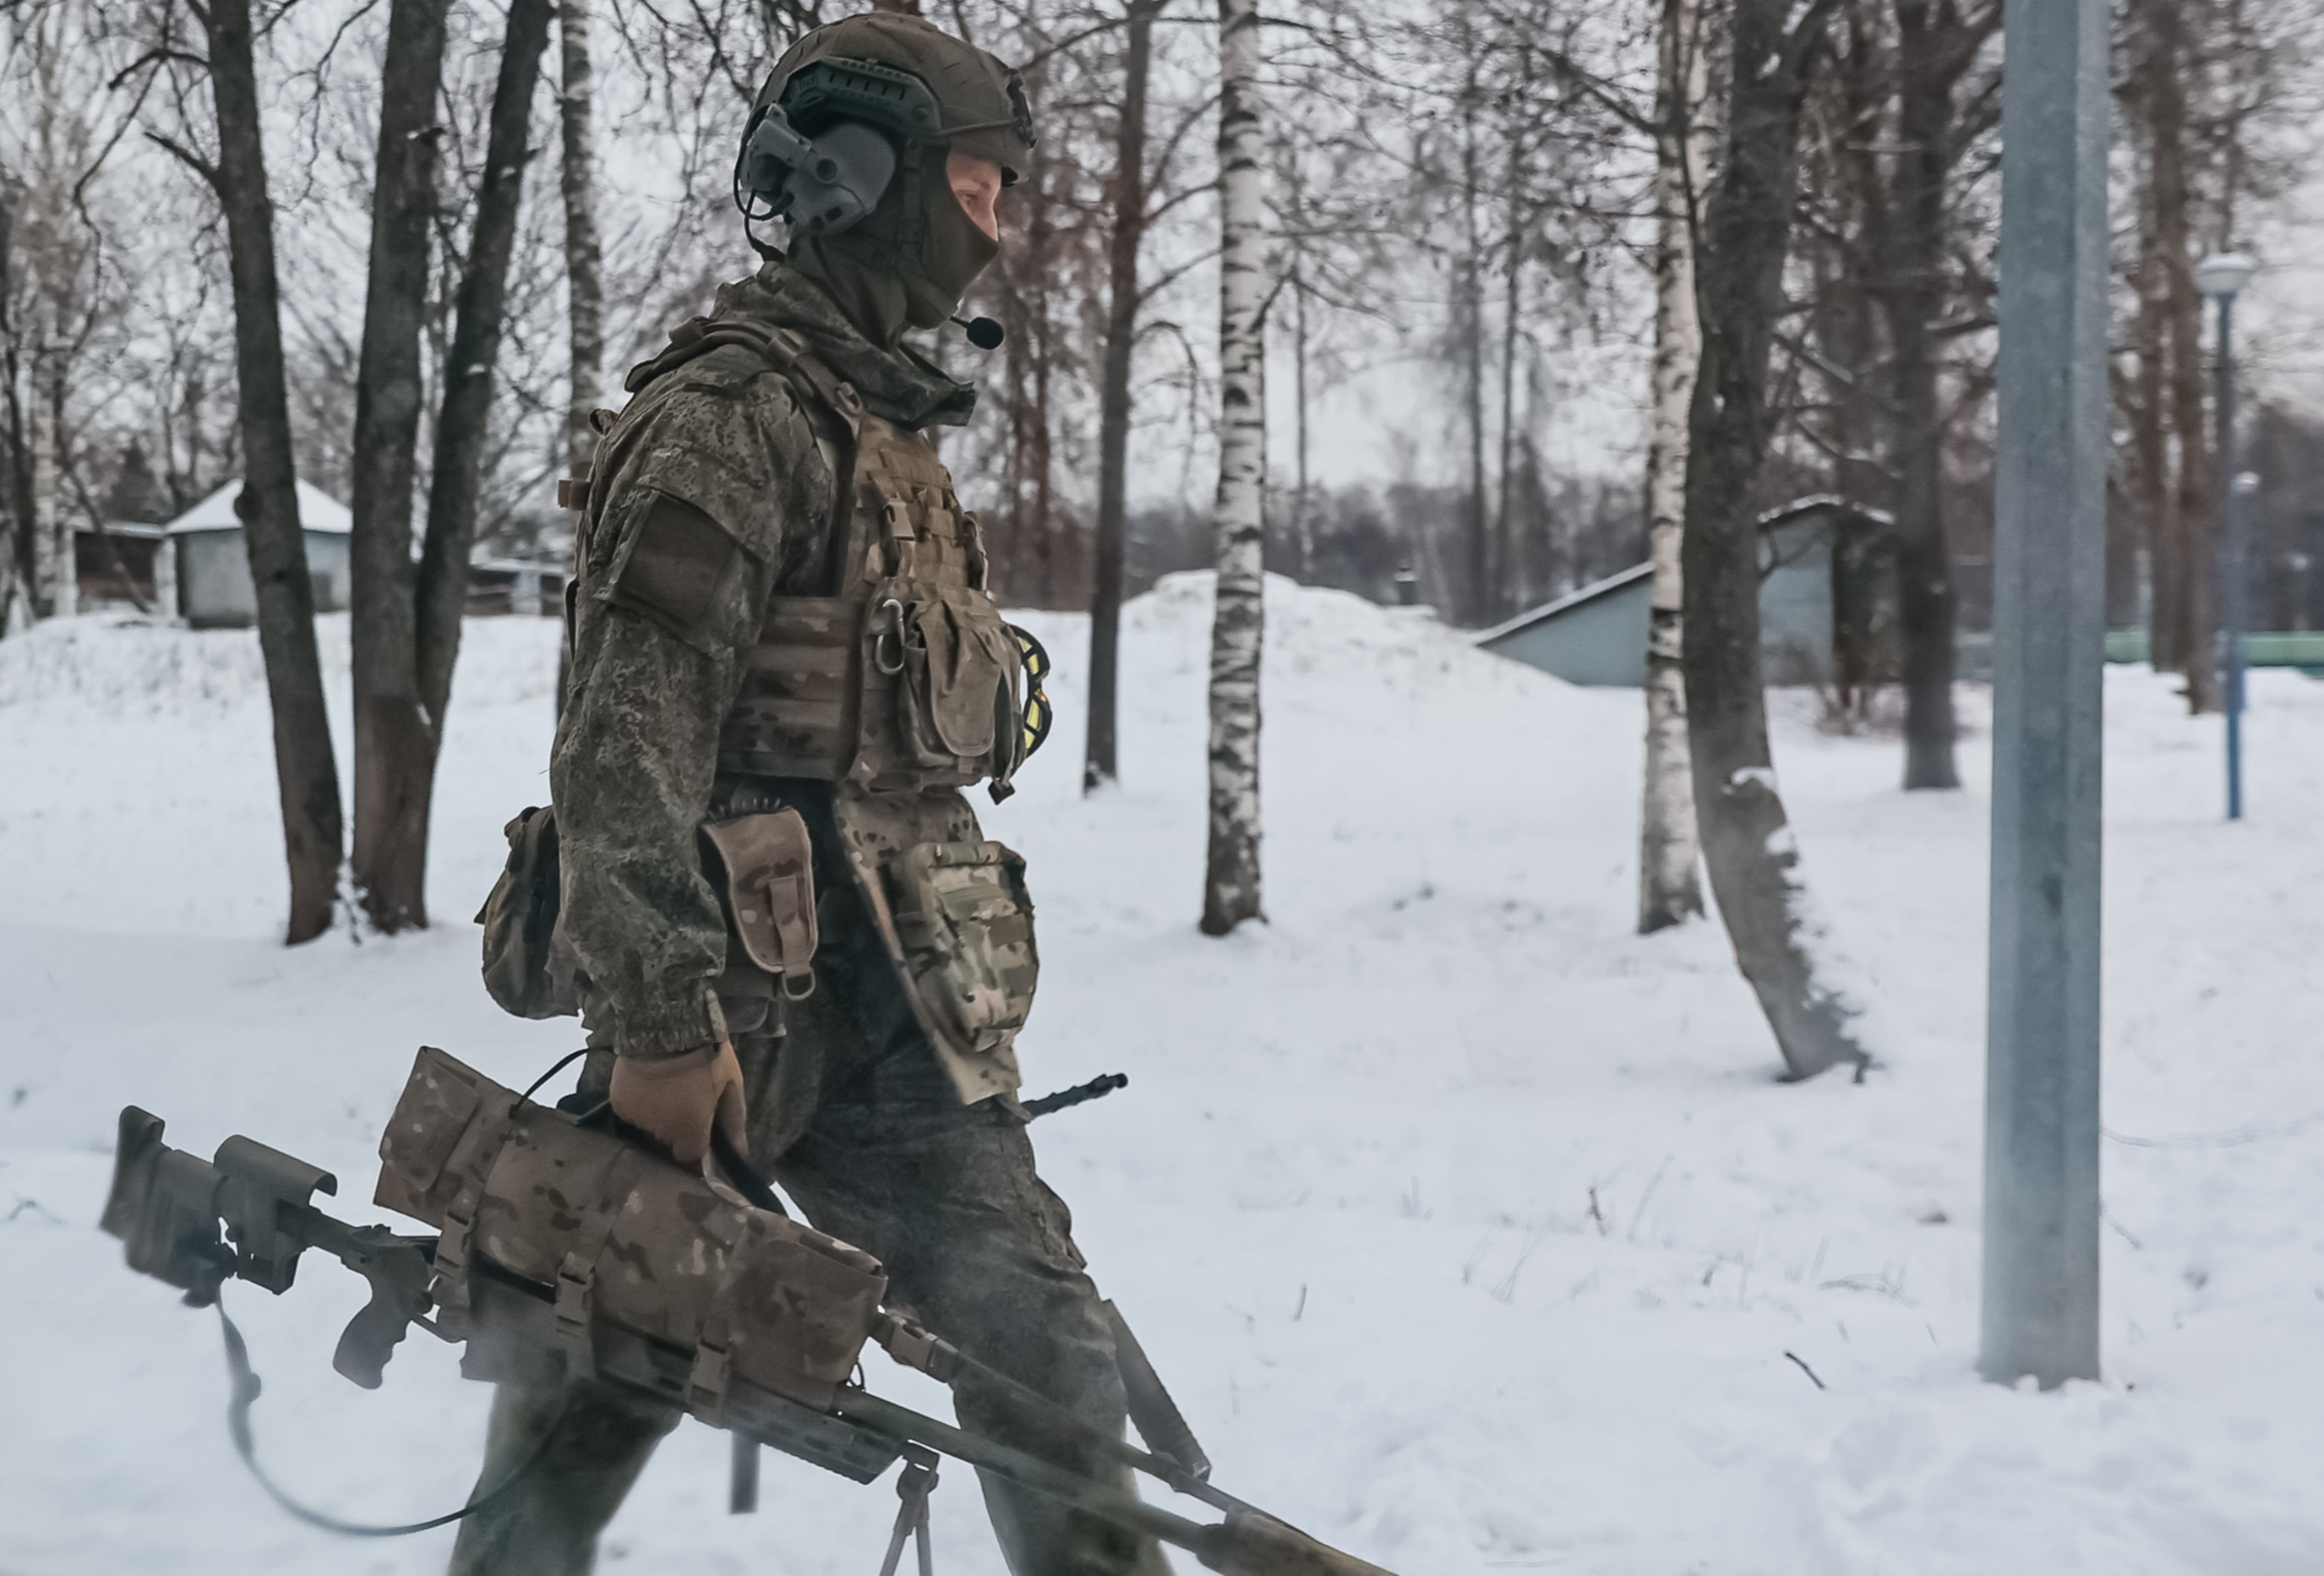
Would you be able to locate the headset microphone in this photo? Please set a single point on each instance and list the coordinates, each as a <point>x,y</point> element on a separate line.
<point>983,332</point>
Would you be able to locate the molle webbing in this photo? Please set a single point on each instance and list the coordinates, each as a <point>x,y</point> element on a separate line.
<point>839,686</point>
<point>800,693</point>
<point>902,674</point>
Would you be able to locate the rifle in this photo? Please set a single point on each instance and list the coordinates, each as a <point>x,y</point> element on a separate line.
<point>748,1319</point>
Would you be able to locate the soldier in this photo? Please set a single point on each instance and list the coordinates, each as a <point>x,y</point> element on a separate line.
<point>785,665</point>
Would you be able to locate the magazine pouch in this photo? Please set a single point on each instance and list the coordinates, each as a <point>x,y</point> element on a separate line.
<point>526,970</point>
<point>958,674</point>
<point>770,893</point>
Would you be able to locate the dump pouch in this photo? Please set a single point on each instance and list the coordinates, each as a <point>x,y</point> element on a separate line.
<point>965,922</point>
<point>526,970</point>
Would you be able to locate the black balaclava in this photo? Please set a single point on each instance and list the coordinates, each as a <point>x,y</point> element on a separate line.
<point>907,262</point>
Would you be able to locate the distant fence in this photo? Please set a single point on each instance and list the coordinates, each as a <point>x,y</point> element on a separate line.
<point>2301,649</point>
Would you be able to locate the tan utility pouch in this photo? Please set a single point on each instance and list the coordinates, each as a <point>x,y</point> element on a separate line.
<point>769,891</point>
<point>966,924</point>
<point>525,970</point>
<point>955,667</point>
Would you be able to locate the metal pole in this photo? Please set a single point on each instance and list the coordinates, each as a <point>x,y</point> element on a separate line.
<point>2041,1301</point>
<point>2231,603</point>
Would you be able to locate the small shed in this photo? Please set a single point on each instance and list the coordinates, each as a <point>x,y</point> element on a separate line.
<point>214,586</point>
<point>1810,553</point>
<point>119,564</point>
<point>533,587</point>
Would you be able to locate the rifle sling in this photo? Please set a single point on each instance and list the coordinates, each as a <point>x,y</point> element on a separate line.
<point>237,1421</point>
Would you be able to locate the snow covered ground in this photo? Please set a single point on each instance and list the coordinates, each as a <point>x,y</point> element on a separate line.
<point>1472,1230</point>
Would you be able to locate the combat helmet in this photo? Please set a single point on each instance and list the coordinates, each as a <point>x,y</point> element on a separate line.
<point>855,103</point>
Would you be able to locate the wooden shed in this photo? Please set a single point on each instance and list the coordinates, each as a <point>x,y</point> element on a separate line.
<point>1816,556</point>
<point>534,587</point>
<point>212,565</point>
<point>121,564</point>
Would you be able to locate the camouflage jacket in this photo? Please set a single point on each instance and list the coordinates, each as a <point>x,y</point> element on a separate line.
<point>634,765</point>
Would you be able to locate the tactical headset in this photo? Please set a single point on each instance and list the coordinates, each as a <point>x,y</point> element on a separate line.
<point>824,184</point>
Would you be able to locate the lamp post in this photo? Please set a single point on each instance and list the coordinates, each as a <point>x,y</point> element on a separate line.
<point>2040,1295</point>
<point>2222,276</point>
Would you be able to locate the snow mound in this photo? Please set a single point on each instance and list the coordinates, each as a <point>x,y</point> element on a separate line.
<point>1311,630</point>
<point>120,664</point>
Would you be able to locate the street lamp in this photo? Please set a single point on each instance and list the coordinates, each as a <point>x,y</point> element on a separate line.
<point>2222,276</point>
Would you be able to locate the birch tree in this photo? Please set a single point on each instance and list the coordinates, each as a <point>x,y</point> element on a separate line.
<point>1670,890</point>
<point>1231,878</point>
<point>584,265</point>
<point>585,258</point>
<point>52,547</point>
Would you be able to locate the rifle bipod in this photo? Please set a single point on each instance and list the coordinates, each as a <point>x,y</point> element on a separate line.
<point>913,1486</point>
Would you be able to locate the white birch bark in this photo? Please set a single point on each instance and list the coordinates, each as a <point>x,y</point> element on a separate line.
<point>1231,884</point>
<point>52,541</point>
<point>1670,887</point>
<point>584,281</point>
<point>39,452</point>
<point>583,257</point>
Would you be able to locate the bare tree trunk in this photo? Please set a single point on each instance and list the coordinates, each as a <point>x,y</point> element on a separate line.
<point>395,737</point>
<point>2150,444</point>
<point>54,585</point>
<point>268,505</point>
<point>1670,890</point>
<point>585,258</point>
<point>1476,518</point>
<point>1505,558</point>
<point>1861,429</point>
<point>16,547</point>
<point>1101,764</point>
<point>1044,452</point>
<point>1231,879</point>
<point>1747,842</point>
<point>479,318</point>
<point>1933,48</point>
<point>2186,601</point>
<point>18,575</point>
<point>584,271</point>
<point>1506,575</point>
<point>1303,519</point>
<point>401,730</point>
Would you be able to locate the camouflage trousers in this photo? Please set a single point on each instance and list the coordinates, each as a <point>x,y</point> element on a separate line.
<point>975,1246</point>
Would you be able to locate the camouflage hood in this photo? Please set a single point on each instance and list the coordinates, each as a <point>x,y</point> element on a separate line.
<point>897,382</point>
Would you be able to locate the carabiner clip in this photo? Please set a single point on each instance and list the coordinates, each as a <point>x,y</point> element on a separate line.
<point>895,610</point>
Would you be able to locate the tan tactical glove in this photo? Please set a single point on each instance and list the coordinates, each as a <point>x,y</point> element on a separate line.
<point>677,1099</point>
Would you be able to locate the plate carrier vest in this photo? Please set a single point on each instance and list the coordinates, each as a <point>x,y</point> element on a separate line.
<point>905,677</point>
<point>901,682</point>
